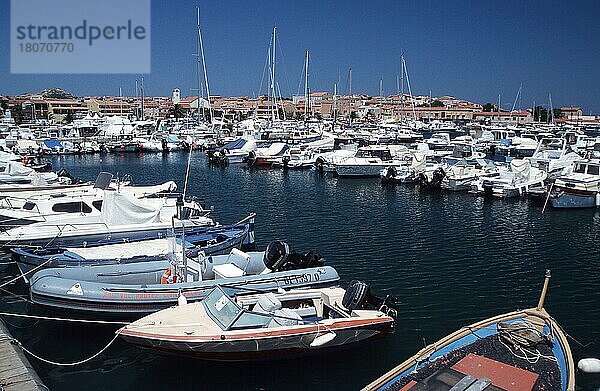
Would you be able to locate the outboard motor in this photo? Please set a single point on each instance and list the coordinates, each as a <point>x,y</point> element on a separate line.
<point>179,204</point>
<point>390,175</point>
<point>320,164</point>
<point>164,146</point>
<point>297,261</point>
<point>358,296</point>
<point>276,254</point>
<point>251,158</point>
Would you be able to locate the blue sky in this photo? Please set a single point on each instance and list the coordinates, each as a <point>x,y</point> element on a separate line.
<point>474,50</point>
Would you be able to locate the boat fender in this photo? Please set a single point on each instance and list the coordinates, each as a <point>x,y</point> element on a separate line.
<point>323,339</point>
<point>168,277</point>
<point>181,299</point>
<point>589,365</point>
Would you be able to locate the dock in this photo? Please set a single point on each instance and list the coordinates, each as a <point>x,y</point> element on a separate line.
<point>16,373</point>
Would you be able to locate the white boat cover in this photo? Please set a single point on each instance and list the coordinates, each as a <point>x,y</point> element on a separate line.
<point>154,247</point>
<point>520,167</point>
<point>17,169</point>
<point>8,156</point>
<point>124,209</point>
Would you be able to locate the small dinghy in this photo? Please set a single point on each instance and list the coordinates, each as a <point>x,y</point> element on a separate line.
<point>267,325</point>
<point>520,350</point>
<point>209,240</point>
<point>129,290</point>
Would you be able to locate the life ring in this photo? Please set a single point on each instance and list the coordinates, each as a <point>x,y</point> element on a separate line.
<point>168,278</point>
<point>24,161</point>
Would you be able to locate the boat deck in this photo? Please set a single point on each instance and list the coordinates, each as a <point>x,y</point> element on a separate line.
<point>486,358</point>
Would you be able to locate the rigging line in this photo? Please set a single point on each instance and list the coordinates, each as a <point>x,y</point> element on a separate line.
<point>72,320</point>
<point>71,364</point>
<point>285,73</point>
<point>262,79</point>
<point>301,79</point>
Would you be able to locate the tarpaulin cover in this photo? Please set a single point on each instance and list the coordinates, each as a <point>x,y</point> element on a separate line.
<point>123,209</point>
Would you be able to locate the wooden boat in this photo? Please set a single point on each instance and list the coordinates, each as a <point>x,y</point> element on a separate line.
<point>267,325</point>
<point>520,350</point>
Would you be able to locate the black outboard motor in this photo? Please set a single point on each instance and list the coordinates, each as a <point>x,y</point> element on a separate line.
<point>389,176</point>
<point>276,254</point>
<point>436,180</point>
<point>164,145</point>
<point>297,261</point>
<point>358,296</point>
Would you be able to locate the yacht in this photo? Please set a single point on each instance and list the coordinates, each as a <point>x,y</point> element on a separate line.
<point>369,161</point>
<point>579,188</point>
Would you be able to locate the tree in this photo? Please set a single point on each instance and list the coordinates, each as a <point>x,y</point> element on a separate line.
<point>68,118</point>
<point>437,103</point>
<point>489,107</point>
<point>176,111</point>
<point>540,114</point>
<point>17,114</point>
<point>557,113</point>
<point>4,105</point>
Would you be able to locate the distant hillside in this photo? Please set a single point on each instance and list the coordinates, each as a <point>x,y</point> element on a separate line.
<point>57,93</point>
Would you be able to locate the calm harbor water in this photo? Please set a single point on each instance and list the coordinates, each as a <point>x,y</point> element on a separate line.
<point>450,258</point>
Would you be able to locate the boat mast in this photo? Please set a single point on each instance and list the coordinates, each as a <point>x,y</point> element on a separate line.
<point>204,68</point>
<point>334,105</point>
<point>306,100</point>
<point>142,93</point>
<point>273,96</point>
<point>401,87</point>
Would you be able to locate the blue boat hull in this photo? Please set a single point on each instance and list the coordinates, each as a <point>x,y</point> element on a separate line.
<point>569,200</point>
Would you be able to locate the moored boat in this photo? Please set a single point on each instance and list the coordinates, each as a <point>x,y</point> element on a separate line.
<point>520,350</point>
<point>267,325</point>
<point>128,290</point>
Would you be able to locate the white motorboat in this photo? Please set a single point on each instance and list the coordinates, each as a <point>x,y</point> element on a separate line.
<point>513,180</point>
<point>461,176</point>
<point>122,217</point>
<point>553,155</point>
<point>579,188</point>
<point>36,206</point>
<point>266,325</point>
<point>463,151</point>
<point>369,161</point>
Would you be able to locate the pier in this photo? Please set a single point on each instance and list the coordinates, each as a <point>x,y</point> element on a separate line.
<point>16,373</point>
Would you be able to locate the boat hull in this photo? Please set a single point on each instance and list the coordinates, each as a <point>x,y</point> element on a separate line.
<point>270,345</point>
<point>49,289</point>
<point>570,200</point>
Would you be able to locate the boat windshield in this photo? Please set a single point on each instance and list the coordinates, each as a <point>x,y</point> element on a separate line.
<point>221,308</point>
<point>580,169</point>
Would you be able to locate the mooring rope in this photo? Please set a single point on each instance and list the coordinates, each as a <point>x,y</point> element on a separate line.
<point>40,317</point>
<point>68,364</point>
<point>27,272</point>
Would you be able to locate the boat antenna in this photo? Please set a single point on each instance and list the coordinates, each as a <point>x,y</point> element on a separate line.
<point>540,305</point>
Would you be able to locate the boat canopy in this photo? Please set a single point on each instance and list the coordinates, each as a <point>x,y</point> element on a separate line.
<point>237,144</point>
<point>53,143</point>
<point>123,209</point>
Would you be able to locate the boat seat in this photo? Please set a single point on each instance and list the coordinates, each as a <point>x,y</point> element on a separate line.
<point>267,303</point>
<point>227,270</point>
<point>285,317</point>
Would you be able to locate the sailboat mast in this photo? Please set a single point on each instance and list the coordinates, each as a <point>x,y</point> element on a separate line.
<point>142,93</point>
<point>204,68</point>
<point>306,100</point>
<point>274,101</point>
